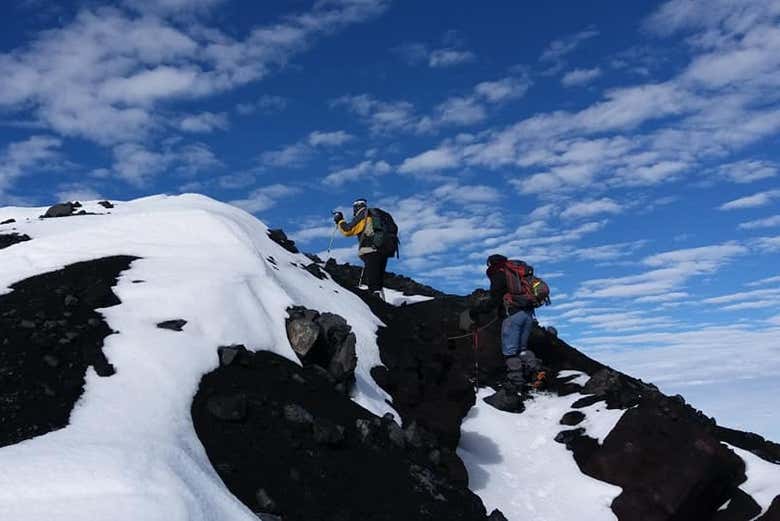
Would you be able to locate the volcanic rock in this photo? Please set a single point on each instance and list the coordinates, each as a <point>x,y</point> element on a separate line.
<point>173,325</point>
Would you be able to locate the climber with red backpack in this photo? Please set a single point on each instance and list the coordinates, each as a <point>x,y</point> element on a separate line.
<point>515,292</point>
<point>377,236</point>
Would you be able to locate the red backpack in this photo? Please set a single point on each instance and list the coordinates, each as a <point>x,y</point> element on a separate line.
<point>523,286</point>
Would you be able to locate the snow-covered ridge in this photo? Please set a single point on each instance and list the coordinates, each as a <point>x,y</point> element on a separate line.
<point>130,451</point>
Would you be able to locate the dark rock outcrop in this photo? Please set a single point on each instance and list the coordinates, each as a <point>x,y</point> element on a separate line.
<point>280,238</point>
<point>49,340</point>
<point>324,340</point>
<point>173,325</point>
<point>305,451</point>
<point>667,456</point>
<point>9,239</point>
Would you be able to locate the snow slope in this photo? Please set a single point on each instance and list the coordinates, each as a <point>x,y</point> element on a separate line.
<point>516,466</point>
<point>130,451</point>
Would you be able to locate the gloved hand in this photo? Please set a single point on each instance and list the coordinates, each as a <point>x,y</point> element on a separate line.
<point>474,315</point>
<point>338,217</point>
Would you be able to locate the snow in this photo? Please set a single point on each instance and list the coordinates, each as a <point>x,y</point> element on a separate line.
<point>763,478</point>
<point>397,298</point>
<point>130,451</point>
<point>515,465</point>
<point>582,378</point>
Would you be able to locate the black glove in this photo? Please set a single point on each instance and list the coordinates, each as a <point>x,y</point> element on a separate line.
<point>338,217</point>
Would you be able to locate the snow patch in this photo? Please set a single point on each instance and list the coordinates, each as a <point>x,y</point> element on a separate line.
<point>763,478</point>
<point>582,378</point>
<point>130,450</point>
<point>397,298</point>
<point>515,465</point>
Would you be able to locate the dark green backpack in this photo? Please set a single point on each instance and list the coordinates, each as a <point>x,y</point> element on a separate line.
<point>385,232</point>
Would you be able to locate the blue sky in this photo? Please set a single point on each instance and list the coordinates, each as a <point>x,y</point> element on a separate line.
<point>628,149</point>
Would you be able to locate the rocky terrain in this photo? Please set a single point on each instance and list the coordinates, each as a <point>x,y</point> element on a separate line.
<point>290,444</point>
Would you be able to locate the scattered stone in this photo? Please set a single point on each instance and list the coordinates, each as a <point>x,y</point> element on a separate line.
<point>342,365</point>
<point>497,515</point>
<point>51,360</point>
<point>106,204</point>
<point>173,325</point>
<point>93,322</point>
<point>587,401</point>
<point>328,433</point>
<point>265,503</point>
<point>280,238</point>
<point>9,239</point>
<point>394,431</point>
<point>27,324</point>
<point>572,418</point>
<point>296,414</point>
<point>566,437</point>
<point>435,457</point>
<point>303,335</point>
<point>63,210</point>
<point>71,300</point>
<point>316,270</point>
<point>228,408</point>
<point>364,429</point>
<point>298,378</point>
<point>417,437</point>
<point>602,382</point>
<point>506,401</point>
<point>8,221</point>
<point>228,354</point>
<point>553,332</point>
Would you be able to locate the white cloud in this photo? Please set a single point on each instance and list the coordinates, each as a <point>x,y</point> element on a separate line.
<point>430,161</point>
<point>264,198</point>
<point>461,110</point>
<point>77,192</point>
<point>767,280</point>
<point>590,208</point>
<point>578,77</point>
<point>204,122</point>
<point>467,194</point>
<point>449,55</point>
<point>381,116</point>
<point>329,139</point>
<point>440,58</point>
<point>747,171</point>
<point>664,297</point>
<point>171,6</point>
<point>766,222</point>
<point>138,164</point>
<point>82,80</point>
<point>752,201</point>
<point>768,244</point>
<point>559,48</point>
<point>266,104</point>
<point>24,157</point>
<point>742,296</point>
<point>672,270</point>
<point>503,89</point>
<point>290,156</point>
<point>361,170</point>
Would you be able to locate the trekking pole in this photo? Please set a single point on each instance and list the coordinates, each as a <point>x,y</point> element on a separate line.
<point>332,238</point>
<point>360,282</point>
<point>476,359</point>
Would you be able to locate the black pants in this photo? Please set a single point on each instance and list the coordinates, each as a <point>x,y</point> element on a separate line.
<point>374,274</point>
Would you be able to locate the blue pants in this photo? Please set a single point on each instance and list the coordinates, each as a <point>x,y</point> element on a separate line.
<point>521,364</point>
<point>515,332</point>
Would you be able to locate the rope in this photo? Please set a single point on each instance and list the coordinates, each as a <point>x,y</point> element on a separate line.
<point>473,332</point>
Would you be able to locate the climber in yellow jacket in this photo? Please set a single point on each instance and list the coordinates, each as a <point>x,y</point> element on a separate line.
<point>377,236</point>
